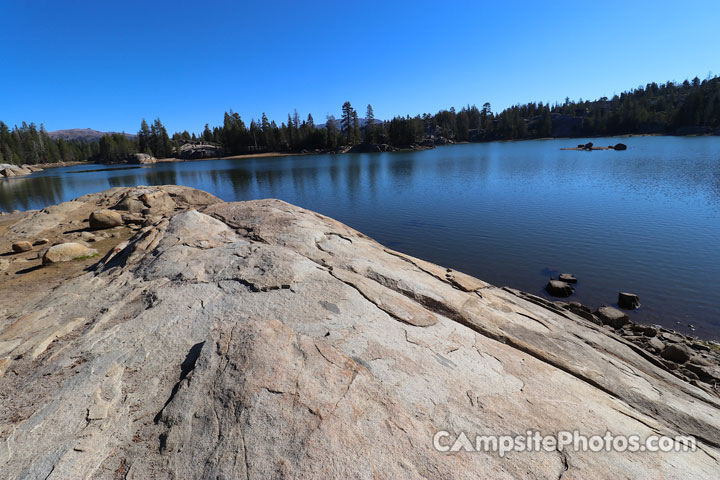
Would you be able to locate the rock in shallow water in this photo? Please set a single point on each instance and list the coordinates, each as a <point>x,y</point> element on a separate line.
<point>556,288</point>
<point>567,278</point>
<point>628,301</point>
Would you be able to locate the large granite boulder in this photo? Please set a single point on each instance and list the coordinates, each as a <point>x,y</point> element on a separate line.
<point>103,219</point>
<point>141,159</point>
<point>8,170</point>
<point>191,151</point>
<point>261,340</point>
<point>66,252</point>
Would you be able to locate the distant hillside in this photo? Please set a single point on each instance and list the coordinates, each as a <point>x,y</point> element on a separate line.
<point>85,134</point>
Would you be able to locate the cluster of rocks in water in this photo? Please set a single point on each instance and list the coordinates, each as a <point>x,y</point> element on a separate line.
<point>7,170</point>
<point>590,146</point>
<point>689,358</point>
<point>693,360</point>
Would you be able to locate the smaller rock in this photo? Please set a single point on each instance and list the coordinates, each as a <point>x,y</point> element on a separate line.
<point>133,219</point>
<point>579,306</point>
<point>556,288</point>
<point>671,337</point>
<point>151,220</point>
<point>131,205</point>
<point>40,241</point>
<point>584,312</point>
<point>612,316</point>
<point>676,352</point>
<point>656,344</point>
<point>19,247</point>
<point>647,330</point>
<point>102,219</point>
<point>670,365</point>
<point>634,338</point>
<point>158,202</point>
<point>628,301</point>
<point>700,347</point>
<point>620,146</point>
<point>567,278</point>
<point>88,237</point>
<point>698,360</point>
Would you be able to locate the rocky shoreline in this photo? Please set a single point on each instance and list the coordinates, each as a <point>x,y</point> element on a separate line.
<point>694,360</point>
<point>8,171</point>
<point>261,340</point>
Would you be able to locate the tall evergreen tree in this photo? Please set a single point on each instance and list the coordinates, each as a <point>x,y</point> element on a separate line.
<point>347,122</point>
<point>370,125</point>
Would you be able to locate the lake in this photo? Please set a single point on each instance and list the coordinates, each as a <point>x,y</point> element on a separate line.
<point>645,220</point>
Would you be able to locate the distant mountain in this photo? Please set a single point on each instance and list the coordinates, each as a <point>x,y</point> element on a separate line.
<point>86,134</point>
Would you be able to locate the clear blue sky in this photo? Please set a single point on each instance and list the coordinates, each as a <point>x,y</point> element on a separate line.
<point>107,64</point>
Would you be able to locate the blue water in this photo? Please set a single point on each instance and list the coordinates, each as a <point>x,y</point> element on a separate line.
<point>645,220</point>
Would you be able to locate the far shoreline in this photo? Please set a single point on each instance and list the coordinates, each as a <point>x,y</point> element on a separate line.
<point>46,166</point>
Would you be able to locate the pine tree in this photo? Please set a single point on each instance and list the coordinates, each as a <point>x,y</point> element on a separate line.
<point>143,138</point>
<point>370,125</point>
<point>207,134</point>
<point>347,122</point>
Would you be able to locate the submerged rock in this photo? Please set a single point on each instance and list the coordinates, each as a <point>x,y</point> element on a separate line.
<point>556,288</point>
<point>261,340</point>
<point>567,278</point>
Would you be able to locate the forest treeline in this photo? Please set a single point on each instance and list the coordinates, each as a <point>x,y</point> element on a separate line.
<point>690,107</point>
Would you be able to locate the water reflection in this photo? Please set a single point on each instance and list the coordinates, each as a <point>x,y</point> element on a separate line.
<point>25,193</point>
<point>507,212</point>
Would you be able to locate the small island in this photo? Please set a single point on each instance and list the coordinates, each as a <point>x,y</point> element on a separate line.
<point>589,147</point>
